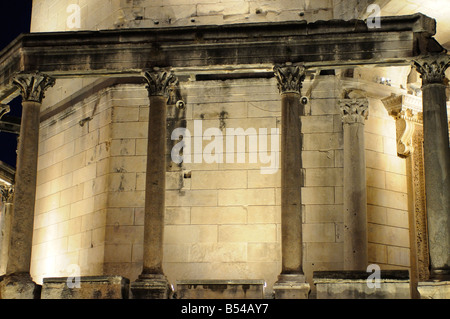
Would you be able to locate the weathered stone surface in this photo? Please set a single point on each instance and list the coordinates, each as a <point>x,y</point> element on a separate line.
<point>393,284</point>
<point>279,42</point>
<point>151,287</point>
<point>91,287</point>
<point>19,286</point>
<point>434,289</point>
<point>291,287</point>
<point>220,289</point>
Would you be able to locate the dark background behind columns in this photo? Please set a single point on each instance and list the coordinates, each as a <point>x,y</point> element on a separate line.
<point>15,18</point>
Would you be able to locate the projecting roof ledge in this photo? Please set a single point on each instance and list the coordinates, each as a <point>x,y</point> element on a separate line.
<point>420,23</point>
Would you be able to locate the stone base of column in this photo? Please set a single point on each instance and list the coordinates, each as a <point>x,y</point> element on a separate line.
<point>151,287</point>
<point>391,284</point>
<point>220,289</point>
<point>434,289</point>
<point>19,286</point>
<point>291,286</point>
<point>86,287</point>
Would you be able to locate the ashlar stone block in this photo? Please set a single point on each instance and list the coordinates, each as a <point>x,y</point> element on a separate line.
<point>220,289</point>
<point>90,287</point>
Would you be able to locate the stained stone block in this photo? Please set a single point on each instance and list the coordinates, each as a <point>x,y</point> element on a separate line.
<point>91,287</point>
<point>19,286</point>
<point>434,289</point>
<point>220,289</point>
<point>151,287</point>
<point>291,287</point>
<point>393,284</point>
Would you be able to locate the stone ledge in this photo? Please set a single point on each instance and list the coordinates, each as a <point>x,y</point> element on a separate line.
<point>151,286</point>
<point>91,287</point>
<point>393,284</point>
<point>220,289</point>
<point>19,286</point>
<point>291,286</point>
<point>434,289</point>
<point>352,276</point>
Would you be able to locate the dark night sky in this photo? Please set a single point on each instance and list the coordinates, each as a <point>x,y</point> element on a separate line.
<point>15,19</point>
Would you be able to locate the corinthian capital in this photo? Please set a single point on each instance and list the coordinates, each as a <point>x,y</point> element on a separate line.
<point>354,110</point>
<point>4,109</point>
<point>6,193</point>
<point>159,82</point>
<point>432,68</point>
<point>33,85</point>
<point>290,78</point>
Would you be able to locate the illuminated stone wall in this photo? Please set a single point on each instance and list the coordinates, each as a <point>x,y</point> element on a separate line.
<point>222,219</point>
<point>52,15</point>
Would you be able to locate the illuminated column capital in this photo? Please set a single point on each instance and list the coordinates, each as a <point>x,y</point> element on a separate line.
<point>432,68</point>
<point>4,109</point>
<point>33,85</point>
<point>6,193</point>
<point>354,110</point>
<point>159,82</point>
<point>289,78</point>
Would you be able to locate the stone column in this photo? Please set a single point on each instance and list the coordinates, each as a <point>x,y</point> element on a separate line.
<point>6,198</point>
<point>32,88</point>
<point>152,283</point>
<point>354,112</point>
<point>436,160</point>
<point>291,281</point>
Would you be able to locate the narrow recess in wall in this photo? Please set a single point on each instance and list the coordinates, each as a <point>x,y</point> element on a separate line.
<point>234,76</point>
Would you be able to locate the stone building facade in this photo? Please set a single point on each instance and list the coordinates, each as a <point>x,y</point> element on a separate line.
<point>356,174</point>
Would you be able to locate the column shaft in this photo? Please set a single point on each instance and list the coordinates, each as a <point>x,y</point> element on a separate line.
<point>155,186</point>
<point>355,196</point>
<point>19,259</point>
<point>291,183</point>
<point>437,175</point>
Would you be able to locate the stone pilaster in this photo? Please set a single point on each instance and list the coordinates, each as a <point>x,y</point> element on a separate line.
<point>354,113</point>
<point>291,282</point>
<point>437,160</point>
<point>152,283</point>
<point>32,88</point>
<point>6,198</point>
<point>407,113</point>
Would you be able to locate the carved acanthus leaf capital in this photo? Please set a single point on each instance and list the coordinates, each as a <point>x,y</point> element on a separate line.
<point>159,82</point>
<point>33,85</point>
<point>290,78</point>
<point>4,109</point>
<point>354,110</point>
<point>7,193</point>
<point>432,68</point>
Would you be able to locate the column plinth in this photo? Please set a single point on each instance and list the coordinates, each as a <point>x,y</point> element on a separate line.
<point>354,113</point>
<point>291,282</point>
<point>152,283</point>
<point>32,87</point>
